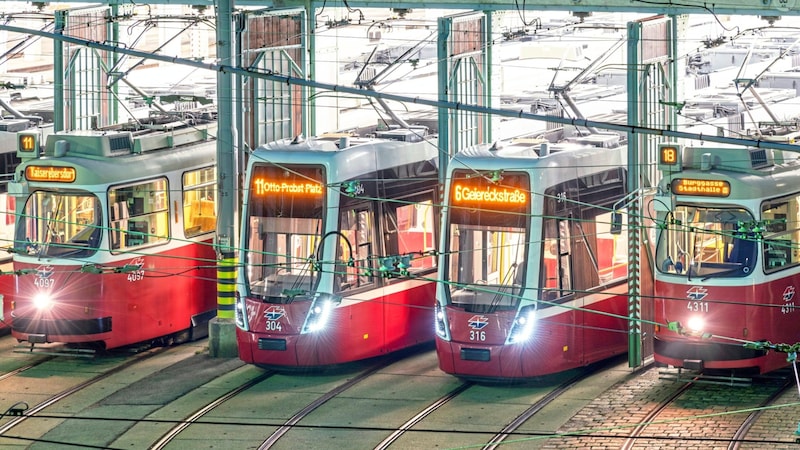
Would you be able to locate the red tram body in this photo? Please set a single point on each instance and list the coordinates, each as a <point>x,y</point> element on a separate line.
<point>727,262</point>
<point>534,282</point>
<point>114,242</point>
<point>339,236</point>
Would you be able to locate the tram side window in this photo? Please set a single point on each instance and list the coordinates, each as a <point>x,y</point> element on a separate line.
<point>199,201</point>
<point>556,268</point>
<point>598,256</point>
<point>411,232</point>
<point>781,224</point>
<point>356,225</point>
<point>139,214</point>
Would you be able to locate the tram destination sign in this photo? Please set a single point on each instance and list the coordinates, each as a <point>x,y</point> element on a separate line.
<point>55,174</point>
<point>701,188</point>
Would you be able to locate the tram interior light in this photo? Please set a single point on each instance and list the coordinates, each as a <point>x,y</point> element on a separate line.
<point>523,326</point>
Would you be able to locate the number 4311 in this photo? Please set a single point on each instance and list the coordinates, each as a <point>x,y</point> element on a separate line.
<point>697,306</point>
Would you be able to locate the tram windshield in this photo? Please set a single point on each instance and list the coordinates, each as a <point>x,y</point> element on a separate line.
<point>59,224</point>
<point>487,242</point>
<point>707,242</point>
<point>284,218</point>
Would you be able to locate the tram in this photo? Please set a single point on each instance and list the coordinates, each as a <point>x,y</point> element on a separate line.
<point>727,257</point>
<point>339,236</point>
<point>533,273</point>
<point>114,239</point>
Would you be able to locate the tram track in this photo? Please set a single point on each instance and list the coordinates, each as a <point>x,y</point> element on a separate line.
<point>705,406</point>
<point>526,415</point>
<point>234,409</point>
<point>311,407</point>
<point>424,413</point>
<point>29,412</point>
<point>170,435</point>
<point>751,419</point>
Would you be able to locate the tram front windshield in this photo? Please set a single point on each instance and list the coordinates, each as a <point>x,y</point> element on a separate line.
<point>59,224</point>
<point>487,235</point>
<point>284,218</point>
<point>707,242</point>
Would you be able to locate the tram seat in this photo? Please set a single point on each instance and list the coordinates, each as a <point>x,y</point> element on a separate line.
<point>202,214</point>
<point>743,249</point>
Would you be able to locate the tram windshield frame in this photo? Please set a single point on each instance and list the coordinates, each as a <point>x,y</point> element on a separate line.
<point>707,242</point>
<point>59,224</point>
<point>284,228</point>
<point>487,243</point>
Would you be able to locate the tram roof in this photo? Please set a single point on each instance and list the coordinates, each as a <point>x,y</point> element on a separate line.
<point>357,155</point>
<point>93,170</point>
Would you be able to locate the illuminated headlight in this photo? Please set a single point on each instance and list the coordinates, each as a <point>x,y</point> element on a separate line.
<point>239,313</point>
<point>42,301</point>
<point>696,325</point>
<point>522,329</point>
<point>439,322</point>
<point>320,312</point>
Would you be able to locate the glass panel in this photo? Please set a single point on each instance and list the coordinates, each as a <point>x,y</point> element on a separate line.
<point>139,214</point>
<point>487,266</point>
<point>707,242</point>
<point>199,201</point>
<point>415,234</point>
<point>280,255</point>
<point>781,233</point>
<point>60,224</point>
<point>285,224</point>
<point>356,225</point>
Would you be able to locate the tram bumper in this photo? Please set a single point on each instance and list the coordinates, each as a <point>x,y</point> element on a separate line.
<point>487,361</point>
<point>706,355</point>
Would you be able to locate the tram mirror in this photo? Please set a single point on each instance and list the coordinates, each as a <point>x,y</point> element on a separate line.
<point>616,223</point>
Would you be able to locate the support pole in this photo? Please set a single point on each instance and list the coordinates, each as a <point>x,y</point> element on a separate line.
<point>222,329</point>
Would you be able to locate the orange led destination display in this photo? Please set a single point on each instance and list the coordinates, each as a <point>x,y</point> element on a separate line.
<point>54,174</point>
<point>263,186</point>
<point>703,188</point>
<point>466,193</point>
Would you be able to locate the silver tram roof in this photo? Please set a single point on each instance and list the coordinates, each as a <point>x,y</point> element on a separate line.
<point>537,154</point>
<point>118,155</point>
<point>347,156</point>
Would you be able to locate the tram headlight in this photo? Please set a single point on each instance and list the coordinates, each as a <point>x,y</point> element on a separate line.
<point>239,313</point>
<point>320,312</point>
<point>523,326</point>
<point>42,301</point>
<point>695,325</point>
<point>440,322</point>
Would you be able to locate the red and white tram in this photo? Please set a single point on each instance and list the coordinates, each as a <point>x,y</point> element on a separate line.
<point>114,242</point>
<point>338,249</point>
<point>533,280</point>
<point>727,259</point>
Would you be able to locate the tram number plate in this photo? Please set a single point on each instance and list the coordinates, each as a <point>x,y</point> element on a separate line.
<point>273,325</point>
<point>477,335</point>
<point>788,308</point>
<point>697,306</point>
<point>136,275</point>
<point>42,282</point>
